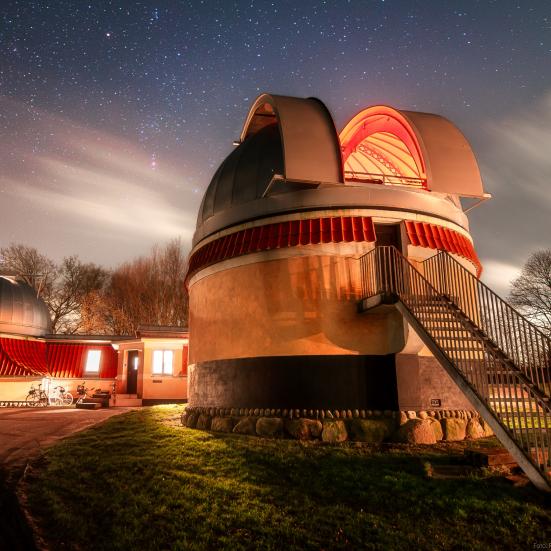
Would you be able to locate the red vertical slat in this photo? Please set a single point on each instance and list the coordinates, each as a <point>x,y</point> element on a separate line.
<point>369,229</point>
<point>412,234</point>
<point>428,235</point>
<point>336,229</point>
<point>263,242</point>
<point>315,231</point>
<point>245,241</point>
<point>326,230</point>
<point>304,232</point>
<point>254,244</point>
<point>347,232</point>
<point>273,236</point>
<point>284,229</point>
<point>294,229</point>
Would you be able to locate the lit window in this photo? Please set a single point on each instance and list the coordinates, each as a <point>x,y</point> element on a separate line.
<point>92,361</point>
<point>162,362</point>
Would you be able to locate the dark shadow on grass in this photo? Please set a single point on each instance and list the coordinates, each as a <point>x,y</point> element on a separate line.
<point>15,534</point>
<point>154,485</point>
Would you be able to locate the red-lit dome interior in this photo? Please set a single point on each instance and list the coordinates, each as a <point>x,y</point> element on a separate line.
<point>379,146</point>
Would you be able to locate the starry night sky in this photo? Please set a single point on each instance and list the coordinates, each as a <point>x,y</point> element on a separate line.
<point>114,115</point>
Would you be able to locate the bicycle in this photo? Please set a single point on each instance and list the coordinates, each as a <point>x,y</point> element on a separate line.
<point>114,392</point>
<point>82,392</point>
<point>61,397</point>
<point>36,396</point>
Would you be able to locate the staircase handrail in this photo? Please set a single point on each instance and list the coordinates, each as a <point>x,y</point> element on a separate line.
<point>519,412</point>
<point>522,341</point>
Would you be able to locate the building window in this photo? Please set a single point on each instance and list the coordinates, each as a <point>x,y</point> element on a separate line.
<point>92,361</point>
<point>162,362</point>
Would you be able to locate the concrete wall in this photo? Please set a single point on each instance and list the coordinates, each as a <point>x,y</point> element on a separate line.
<point>302,305</point>
<point>17,388</point>
<point>163,387</point>
<point>150,386</point>
<point>420,379</point>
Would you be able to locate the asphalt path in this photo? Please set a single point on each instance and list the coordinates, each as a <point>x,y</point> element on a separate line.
<point>26,432</point>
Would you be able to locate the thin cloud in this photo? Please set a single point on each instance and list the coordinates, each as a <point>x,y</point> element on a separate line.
<point>67,180</point>
<point>499,275</point>
<point>515,161</point>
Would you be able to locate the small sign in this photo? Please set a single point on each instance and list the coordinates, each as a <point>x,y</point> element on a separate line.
<point>157,380</point>
<point>435,402</point>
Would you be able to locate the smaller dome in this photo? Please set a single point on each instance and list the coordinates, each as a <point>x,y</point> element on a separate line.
<point>21,311</point>
<point>245,173</point>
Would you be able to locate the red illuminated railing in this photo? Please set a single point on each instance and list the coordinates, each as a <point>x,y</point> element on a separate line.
<point>386,179</point>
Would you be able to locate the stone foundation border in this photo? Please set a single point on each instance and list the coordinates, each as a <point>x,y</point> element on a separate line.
<point>370,426</point>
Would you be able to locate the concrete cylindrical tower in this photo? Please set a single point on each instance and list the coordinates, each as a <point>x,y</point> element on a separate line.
<point>274,273</point>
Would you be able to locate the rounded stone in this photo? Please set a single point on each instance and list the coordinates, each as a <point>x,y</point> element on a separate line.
<point>303,429</point>
<point>247,425</point>
<point>474,429</point>
<point>437,428</point>
<point>334,431</point>
<point>416,431</point>
<point>223,424</point>
<point>269,426</point>
<point>373,431</point>
<point>203,422</point>
<point>454,429</point>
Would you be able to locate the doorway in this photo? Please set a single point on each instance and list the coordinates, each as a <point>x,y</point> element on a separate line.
<point>388,234</point>
<point>133,364</point>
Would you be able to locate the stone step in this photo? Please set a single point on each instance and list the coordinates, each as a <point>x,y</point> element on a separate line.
<point>88,405</point>
<point>125,402</point>
<point>490,457</point>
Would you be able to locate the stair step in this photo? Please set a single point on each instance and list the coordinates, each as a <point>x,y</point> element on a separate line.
<point>88,405</point>
<point>126,402</point>
<point>491,457</point>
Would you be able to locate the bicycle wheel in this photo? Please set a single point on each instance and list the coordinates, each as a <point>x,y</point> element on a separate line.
<point>67,399</point>
<point>31,399</point>
<point>55,401</point>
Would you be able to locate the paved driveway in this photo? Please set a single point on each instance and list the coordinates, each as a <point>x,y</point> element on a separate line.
<point>25,432</point>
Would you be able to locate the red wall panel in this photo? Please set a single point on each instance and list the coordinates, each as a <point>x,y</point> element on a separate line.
<point>291,233</point>
<point>422,234</point>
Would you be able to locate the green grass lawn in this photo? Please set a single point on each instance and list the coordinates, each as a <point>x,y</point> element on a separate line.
<point>140,481</point>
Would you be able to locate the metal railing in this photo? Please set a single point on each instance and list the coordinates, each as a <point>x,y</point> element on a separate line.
<point>387,179</point>
<point>460,316</point>
<point>510,331</point>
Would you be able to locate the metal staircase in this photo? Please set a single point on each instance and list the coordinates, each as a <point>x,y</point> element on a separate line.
<point>499,359</point>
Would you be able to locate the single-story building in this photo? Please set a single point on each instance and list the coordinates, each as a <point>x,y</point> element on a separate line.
<point>150,367</point>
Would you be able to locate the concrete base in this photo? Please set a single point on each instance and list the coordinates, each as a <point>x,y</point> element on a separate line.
<point>323,381</point>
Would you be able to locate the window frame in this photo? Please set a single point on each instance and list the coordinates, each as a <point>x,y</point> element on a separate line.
<point>92,352</point>
<point>166,369</point>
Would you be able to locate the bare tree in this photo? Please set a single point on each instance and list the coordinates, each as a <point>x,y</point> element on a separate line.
<point>85,298</point>
<point>76,281</point>
<point>30,266</point>
<point>64,288</point>
<point>531,292</point>
<point>147,291</point>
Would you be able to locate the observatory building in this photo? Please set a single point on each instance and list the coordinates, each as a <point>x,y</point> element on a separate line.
<point>275,272</point>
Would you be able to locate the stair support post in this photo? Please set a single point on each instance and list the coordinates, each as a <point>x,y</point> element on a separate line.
<point>520,455</point>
